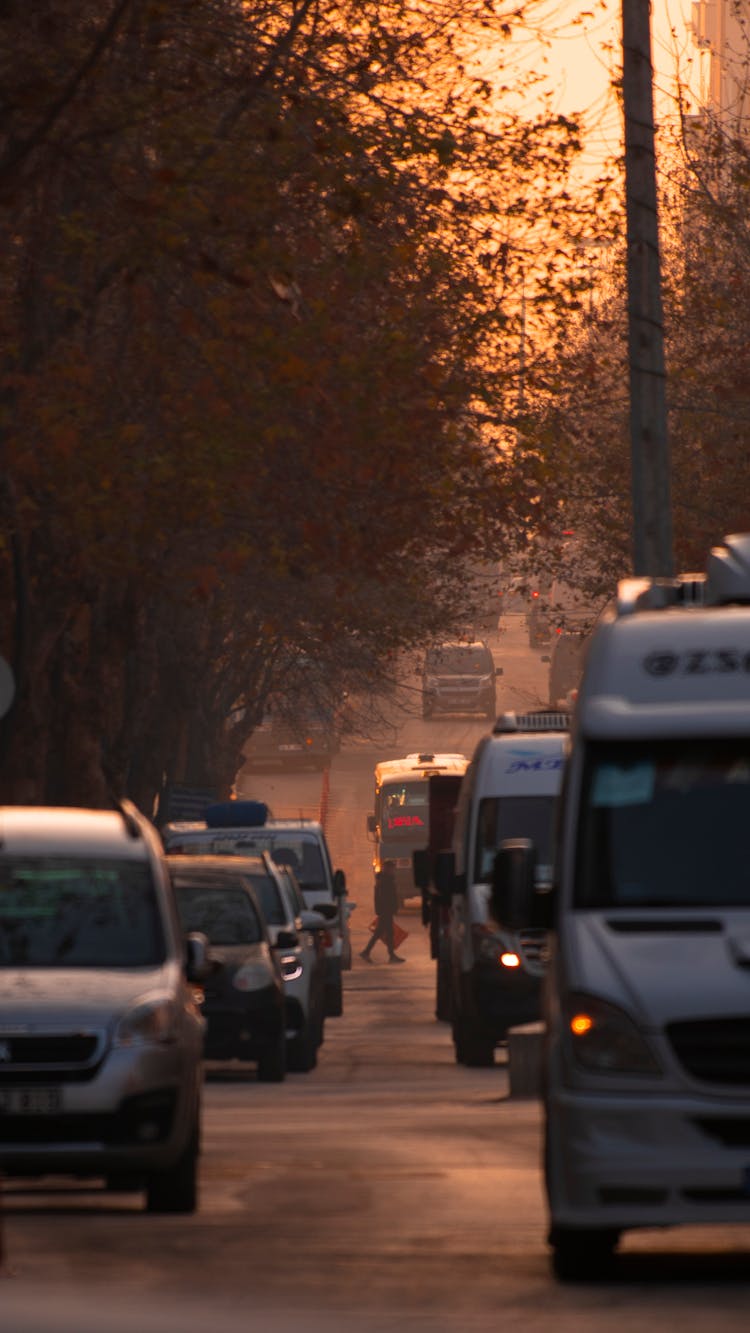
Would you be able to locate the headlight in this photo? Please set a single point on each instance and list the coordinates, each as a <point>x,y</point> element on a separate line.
<point>605,1040</point>
<point>151,1021</point>
<point>252,976</point>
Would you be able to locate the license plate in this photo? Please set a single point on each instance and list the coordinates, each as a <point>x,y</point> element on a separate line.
<point>30,1101</point>
<point>295,748</point>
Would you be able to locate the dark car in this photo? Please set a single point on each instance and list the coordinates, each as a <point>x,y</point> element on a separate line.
<point>459,678</point>
<point>305,739</point>
<point>244,1003</point>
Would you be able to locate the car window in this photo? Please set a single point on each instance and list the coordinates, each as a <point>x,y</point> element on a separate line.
<point>304,857</point>
<point>60,912</point>
<point>269,898</point>
<point>224,913</point>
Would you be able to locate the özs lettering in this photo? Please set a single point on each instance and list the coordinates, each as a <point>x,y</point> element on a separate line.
<point>698,662</point>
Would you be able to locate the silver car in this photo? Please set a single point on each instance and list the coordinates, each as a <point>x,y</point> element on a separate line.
<point>101,1041</point>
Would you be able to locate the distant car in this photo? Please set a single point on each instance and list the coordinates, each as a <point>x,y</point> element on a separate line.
<point>244,828</point>
<point>566,666</point>
<point>101,1041</point>
<point>459,678</point>
<point>244,1003</point>
<point>307,739</point>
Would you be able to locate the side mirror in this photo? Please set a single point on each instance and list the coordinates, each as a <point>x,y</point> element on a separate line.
<point>339,883</point>
<point>445,876</point>
<point>371,824</point>
<point>420,861</point>
<point>198,961</point>
<point>287,939</point>
<point>513,883</point>
<point>499,671</point>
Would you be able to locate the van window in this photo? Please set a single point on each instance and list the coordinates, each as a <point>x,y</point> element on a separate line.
<point>501,817</point>
<point>665,824</point>
<point>404,806</point>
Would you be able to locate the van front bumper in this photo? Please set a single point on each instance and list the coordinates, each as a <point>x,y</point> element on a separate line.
<point>134,1114</point>
<point>503,997</point>
<point>641,1160</point>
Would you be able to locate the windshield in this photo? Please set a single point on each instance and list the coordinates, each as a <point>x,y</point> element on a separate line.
<point>404,807</point>
<point>78,913</point>
<point>269,897</point>
<point>458,661</point>
<point>503,817</point>
<point>665,825</point>
<point>225,914</point>
<point>288,847</point>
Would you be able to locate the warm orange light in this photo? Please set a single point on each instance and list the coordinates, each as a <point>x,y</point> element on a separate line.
<point>510,960</point>
<point>580,1024</point>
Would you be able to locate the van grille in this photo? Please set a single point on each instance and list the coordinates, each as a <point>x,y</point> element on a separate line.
<point>68,1056</point>
<point>715,1050</point>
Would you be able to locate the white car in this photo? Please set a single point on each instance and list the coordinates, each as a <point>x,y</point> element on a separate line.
<point>101,1041</point>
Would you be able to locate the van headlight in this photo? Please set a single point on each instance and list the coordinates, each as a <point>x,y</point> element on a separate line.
<point>152,1021</point>
<point>605,1040</point>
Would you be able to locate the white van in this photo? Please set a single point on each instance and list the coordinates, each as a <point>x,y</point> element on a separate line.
<point>509,790</point>
<point>647,1066</point>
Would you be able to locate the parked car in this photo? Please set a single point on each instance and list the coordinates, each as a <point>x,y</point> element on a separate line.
<point>243,996</point>
<point>274,1012</point>
<point>242,828</point>
<point>459,678</point>
<point>101,1041</point>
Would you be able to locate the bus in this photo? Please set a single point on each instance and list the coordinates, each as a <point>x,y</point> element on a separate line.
<point>399,823</point>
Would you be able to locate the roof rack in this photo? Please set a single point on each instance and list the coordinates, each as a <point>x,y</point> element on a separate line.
<point>725,583</point>
<point>130,818</point>
<point>539,719</point>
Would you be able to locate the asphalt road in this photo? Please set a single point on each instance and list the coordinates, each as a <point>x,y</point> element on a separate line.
<point>389,1189</point>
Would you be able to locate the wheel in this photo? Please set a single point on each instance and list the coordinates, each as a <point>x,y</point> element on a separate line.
<point>334,1001</point>
<point>272,1063</point>
<point>582,1254</point>
<point>302,1050</point>
<point>176,1190</point>
<point>474,1047</point>
<point>443,1006</point>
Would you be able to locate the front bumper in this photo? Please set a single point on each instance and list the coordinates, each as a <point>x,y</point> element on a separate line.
<point>243,1025</point>
<point>642,1160</point>
<point>502,998</point>
<point>134,1114</point>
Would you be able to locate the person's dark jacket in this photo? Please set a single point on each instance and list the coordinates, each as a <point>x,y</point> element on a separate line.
<point>386,894</point>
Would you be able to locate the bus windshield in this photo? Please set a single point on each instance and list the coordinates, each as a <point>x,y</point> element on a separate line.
<point>404,807</point>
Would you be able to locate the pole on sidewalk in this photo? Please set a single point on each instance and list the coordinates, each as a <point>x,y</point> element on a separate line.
<point>652,506</point>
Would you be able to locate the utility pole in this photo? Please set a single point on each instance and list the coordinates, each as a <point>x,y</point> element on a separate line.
<point>652,505</point>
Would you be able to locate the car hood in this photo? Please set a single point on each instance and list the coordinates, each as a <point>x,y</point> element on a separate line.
<point>663,966</point>
<point>86,996</point>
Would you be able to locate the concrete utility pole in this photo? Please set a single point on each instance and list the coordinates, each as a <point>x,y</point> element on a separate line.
<point>652,505</point>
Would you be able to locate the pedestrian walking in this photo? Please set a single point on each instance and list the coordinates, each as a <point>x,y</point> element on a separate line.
<point>386,906</point>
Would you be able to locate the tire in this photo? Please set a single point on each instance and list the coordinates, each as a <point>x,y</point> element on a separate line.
<point>474,1048</point>
<point>302,1050</point>
<point>176,1190</point>
<point>582,1254</point>
<point>272,1063</point>
<point>443,1005</point>
<point>334,1001</point>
